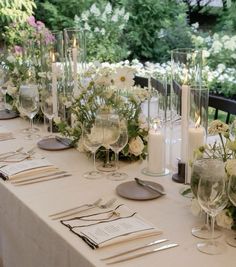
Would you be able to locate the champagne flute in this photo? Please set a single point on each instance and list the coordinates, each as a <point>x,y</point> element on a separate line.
<point>201,231</point>
<point>213,199</point>
<point>29,105</point>
<point>120,143</point>
<point>92,137</point>
<point>232,197</point>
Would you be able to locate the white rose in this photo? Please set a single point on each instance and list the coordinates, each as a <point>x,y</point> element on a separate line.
<point>57,119</point>
<point>11,59</point>
<point>195,207</point>
<point>223,220</point>
<point>136,146</point>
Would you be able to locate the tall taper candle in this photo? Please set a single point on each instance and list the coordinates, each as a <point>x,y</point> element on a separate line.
<point>54,86</point>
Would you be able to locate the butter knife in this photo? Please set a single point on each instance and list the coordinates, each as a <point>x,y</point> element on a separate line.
<point>144,253</point>
<point>142,183</point>
<point>134,249</point>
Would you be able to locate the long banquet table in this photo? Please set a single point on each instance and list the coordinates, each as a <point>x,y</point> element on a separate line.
<point>29,238</point>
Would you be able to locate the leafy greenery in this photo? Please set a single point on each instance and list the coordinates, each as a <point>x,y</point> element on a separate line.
<point>155,27</point>
<point>104,32</point>
<point>16,11</point>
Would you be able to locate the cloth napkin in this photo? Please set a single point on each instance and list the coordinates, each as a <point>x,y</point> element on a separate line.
<point>103,228</point>
<point>5,133</point>
<point>26,168</point>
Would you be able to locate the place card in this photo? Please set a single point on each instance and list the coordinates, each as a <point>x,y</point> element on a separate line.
<point>26,168</point>
<point>113,226</point>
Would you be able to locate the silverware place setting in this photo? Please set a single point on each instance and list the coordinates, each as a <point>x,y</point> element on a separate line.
<point>84,207</point>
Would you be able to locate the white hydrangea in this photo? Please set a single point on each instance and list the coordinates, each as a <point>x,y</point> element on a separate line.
<point>108,8</point>
<point>216,46</point>
<point>114,18</point>
<point>94,10</point>
<point>223,220</point>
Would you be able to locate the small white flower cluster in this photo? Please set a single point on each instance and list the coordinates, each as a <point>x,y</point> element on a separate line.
<point>99,20</point>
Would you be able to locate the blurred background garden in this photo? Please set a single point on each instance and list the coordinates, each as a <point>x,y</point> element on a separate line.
<point>136,32</point>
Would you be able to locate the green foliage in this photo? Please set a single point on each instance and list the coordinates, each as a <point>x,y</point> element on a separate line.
<point>15,11</point>
<point>58,15</point>
<point>104,32</point>
<point>227,20</point>
<point>155,27</point>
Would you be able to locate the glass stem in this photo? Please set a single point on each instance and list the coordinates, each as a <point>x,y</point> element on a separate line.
<point>50,126</point>
<point>94,161</point>
<point>207,221</point>
<point>107,157</point>
<point>5,101</point>
<point>31,124</point>
<point>212,229</point>
<point>116,160</point>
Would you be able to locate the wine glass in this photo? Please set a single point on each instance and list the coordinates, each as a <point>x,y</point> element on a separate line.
<point>92,137</point>
<point>48,105</point>
<point>120,143</point>
<point>201,231</point>
<point>110,123</point>
<point>29,105</point>
<point>232,197</point>
<point>213,199</point>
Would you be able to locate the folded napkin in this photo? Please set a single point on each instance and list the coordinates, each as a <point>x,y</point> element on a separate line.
<point>103,228</point>
<point>5,133</point>
<point>26,168</point>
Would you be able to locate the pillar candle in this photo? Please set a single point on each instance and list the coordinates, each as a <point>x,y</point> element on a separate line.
<point>156,151</point>
<point>196,138</point>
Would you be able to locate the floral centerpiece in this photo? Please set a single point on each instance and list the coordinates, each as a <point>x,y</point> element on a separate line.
<point>22,59</point>
<point>225,149</point>
<point>110,88</point>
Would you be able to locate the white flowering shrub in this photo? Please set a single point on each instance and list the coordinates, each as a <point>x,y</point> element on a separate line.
<point>219,52</point>
<point>104,27</point>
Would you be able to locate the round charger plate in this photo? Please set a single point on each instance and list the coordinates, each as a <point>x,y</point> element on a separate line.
<point>52,144</point>
<point>132,190</point>
<point>8,114</point>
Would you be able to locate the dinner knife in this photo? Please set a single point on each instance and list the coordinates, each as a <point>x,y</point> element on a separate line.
<point>31,178</point>
<point>142,183</point>
<point>144,253</point>
<point>137,248</point>
<point>43,180</point>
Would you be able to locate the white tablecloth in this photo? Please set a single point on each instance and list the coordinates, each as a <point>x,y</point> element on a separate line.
<point>28,238</point>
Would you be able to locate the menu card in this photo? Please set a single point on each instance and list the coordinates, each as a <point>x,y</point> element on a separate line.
<point>123,226</point>
<point>25,168</point>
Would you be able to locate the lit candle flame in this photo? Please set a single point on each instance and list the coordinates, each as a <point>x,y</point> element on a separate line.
<point>53,57</point>
<point>197,124</point>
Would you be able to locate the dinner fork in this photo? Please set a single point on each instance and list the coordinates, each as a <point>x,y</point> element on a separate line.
<point>73,211</point>
<point>25,155</point>
<point>10,153</point>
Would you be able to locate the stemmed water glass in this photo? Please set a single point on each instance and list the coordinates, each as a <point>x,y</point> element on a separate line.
<point>232,197</point>
<point>29,105</point>
<point>92,137</point>
<point>201,231</point>
<point>47,106</point>
<point>120,143</point>
<point>213,199</point>
<point>110,123</point>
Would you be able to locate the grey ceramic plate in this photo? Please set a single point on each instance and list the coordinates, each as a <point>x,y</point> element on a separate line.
<point>132,190</point>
